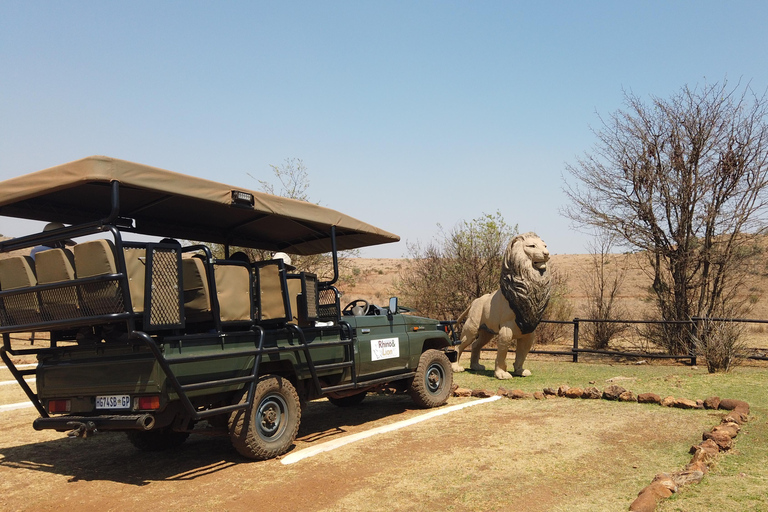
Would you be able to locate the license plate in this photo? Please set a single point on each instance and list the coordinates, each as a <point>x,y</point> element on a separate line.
<point>113,402</point>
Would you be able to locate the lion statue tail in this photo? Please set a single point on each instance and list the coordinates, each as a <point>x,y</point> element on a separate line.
<point>464,315</point>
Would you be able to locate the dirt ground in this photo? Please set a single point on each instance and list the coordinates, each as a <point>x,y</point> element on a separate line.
<point>444,462</point>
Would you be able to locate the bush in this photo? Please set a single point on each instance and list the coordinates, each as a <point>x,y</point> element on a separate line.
<point>559,308</point>
<point>720,343</point>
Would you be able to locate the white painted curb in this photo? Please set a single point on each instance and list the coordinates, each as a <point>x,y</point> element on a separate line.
<point>10,407</point>
<point>337,443</point>
<point>9,382</point>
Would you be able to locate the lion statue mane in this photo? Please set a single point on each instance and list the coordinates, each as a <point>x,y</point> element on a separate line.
<point>513,311</point>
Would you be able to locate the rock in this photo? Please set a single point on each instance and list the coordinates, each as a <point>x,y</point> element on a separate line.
<point>502,391</point>
<point>648,498</point>
<point>723,440</point>
<point>627,396</point>
<point>482,393</point>
<point>612,392</point>
<point>699,404</point>
<point>699,466</point>
<point>712,402</point>
<point>517,394</point>
<point>462,392</point>
<point>666,480</point>
<point>668,401</point>
<point>684,403</point>
<point>562,389</point>
<point>731,428</point>
<point>591,393</point>
<point>730,404</point>
<point>574,393</point>
<point>649,398</point>
<point>681,478</point>
<point>703,454</point>
<point>735,417</point>
<point>538,395</point>
<point>642,361</point>
<point>550,391</point>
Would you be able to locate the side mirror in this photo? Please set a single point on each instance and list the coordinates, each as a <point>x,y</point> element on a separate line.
<point>392,307</point>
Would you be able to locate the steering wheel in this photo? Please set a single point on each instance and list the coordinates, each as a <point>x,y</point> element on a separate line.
<point>357,310</point>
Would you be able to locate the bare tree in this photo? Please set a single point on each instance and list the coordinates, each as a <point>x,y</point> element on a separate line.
<point>293,179</point>
<point>683,179</point>
<point>601,283</point>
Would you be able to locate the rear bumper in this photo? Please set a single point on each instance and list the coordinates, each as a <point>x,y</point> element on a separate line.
<point>115,422</point>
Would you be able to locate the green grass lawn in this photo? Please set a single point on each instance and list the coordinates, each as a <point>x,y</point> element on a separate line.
<point>739,479</point>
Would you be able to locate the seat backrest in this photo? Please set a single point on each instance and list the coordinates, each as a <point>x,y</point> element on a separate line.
<point>294,295</point>
<point>24,308</point>
<point>197,300</point>
<point>95,258</point>
<point>233,291</point>
<point>272,292</point>
<point>56,266</point>
<point>302,290</point>
<point>136,267</point>
<point>17,272</point>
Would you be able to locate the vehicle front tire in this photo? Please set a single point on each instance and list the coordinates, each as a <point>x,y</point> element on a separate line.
<point>433,381</point>
<point>156,440</point>
<point>271,427</point>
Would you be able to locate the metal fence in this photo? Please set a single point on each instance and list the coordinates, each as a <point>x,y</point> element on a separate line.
<point>692,356</point>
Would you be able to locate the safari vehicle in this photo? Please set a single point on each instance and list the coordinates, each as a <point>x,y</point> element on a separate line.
<point>154,337</point>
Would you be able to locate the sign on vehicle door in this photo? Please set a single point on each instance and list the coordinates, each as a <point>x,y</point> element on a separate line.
<point>387,348</point>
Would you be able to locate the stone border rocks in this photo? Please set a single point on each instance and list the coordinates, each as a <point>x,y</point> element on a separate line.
<point>719,439</point>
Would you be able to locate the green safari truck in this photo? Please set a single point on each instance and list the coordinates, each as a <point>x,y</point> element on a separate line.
<point>154,337</point>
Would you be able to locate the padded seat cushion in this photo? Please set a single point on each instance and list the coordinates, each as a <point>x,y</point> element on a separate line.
<point>17,272</point>
<point>95,258</point>
<point>54,266</point>
<point>196,295</point>
<point>233,291</point>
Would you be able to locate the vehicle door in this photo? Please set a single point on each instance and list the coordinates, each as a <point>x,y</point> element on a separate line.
<point>381,344</point>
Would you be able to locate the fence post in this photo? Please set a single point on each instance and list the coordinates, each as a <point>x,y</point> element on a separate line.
<point>695,334</point>
<point>575,340</point>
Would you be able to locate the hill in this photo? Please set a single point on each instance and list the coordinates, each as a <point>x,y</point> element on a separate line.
<point>374,280</point>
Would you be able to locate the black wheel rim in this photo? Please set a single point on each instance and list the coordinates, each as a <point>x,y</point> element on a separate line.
<point>271,417</point>
<point>434,378</point>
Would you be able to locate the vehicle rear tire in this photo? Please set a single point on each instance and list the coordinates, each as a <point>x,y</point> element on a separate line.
<point>271,427</point>
<point>348,401</point>
<point>433,381</point>
<point>156,440</point>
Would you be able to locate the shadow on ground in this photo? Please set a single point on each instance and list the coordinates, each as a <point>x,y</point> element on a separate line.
<point>108,456</point>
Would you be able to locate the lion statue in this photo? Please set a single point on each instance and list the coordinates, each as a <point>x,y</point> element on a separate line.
<point>513,311</point>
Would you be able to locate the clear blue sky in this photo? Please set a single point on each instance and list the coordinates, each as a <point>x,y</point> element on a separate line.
<point>406,114</point>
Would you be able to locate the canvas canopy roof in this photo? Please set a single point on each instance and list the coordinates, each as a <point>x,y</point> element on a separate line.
<point>169,204</point>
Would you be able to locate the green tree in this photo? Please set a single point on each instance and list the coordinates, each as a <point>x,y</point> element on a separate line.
<point>684,180</point>
<point>443,278</point>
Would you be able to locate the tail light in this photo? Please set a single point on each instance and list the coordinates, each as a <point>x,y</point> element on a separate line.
<point>149,403</point>
<point>58,406</point>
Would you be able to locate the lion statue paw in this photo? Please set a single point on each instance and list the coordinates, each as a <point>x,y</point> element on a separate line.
<point>502,375</point>
<point>457,368</point>
<point>477,367</point>
<point>524,373</point>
